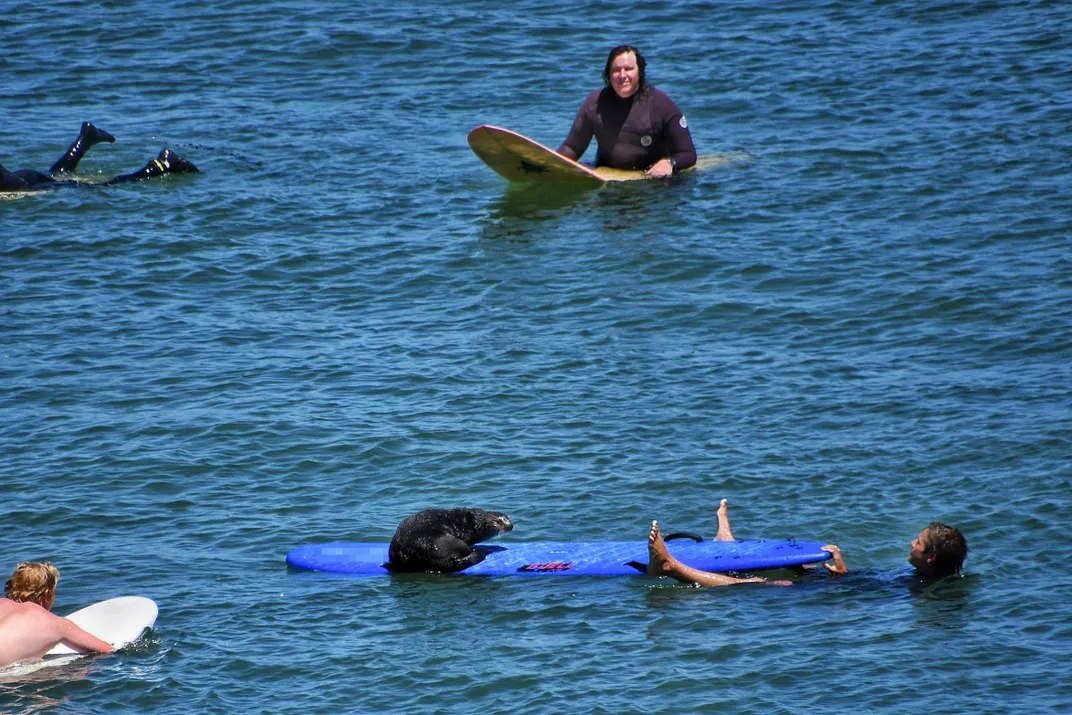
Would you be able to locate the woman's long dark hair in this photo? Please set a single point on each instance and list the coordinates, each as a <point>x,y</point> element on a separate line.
<point>641,63</point>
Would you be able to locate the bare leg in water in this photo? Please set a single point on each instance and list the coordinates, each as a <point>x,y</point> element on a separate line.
<point>661,563</point>
<point>724,533</point>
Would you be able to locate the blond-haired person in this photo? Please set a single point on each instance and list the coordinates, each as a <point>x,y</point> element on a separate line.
<point>28,629</point>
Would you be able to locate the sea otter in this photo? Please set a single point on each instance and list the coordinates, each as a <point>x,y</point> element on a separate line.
<point>441,540</point>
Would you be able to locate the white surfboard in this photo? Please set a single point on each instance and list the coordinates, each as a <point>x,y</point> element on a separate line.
<point>117,621</point>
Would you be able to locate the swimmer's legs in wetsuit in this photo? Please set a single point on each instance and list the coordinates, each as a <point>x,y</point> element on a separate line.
<point>88,135</point>
<point>166,162</point>
<point>27,180</point>
<point>10,181</point>
<point>31,179</point>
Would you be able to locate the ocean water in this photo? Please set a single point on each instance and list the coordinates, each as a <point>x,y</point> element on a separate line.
<point>862,324</point>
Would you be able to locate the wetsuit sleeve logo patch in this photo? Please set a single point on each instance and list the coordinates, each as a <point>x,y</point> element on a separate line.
<point>683,123</point>
<point>645,140</point>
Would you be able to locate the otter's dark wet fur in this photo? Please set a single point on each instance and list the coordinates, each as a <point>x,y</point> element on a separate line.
<point>441,540</point>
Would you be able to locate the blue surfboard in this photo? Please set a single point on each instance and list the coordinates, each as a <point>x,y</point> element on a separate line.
<point>577,558</point>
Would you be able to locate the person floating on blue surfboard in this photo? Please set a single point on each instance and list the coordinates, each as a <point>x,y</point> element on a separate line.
<point>28,629</point>
<point>938,551</point>
<point>636,126</point>
<point>166,162</point>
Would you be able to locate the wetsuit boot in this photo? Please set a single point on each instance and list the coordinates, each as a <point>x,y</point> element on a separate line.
<point>87,137</point>
<point>166,162</point>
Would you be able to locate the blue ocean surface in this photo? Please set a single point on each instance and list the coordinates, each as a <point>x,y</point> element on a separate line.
<point>861,324</point>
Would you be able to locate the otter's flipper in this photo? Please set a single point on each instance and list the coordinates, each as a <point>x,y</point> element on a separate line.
<point>460,554</point>
<point>444,554</point>
<point>166,162</point>
<point>87,137</point>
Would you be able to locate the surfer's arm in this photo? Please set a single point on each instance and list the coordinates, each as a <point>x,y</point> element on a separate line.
<point>682,150</point>
<point>72,636</point>
<point>580,134</point>
<point>577,142</point>
<point>837,567</point>
<point>676,128</point>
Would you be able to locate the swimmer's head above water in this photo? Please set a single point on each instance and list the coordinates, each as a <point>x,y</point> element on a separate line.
<point>939,550</point>
<point>624,71</point>
<point>34,582</point>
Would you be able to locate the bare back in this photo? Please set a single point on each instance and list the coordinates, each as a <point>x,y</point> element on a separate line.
<point>28,631</point>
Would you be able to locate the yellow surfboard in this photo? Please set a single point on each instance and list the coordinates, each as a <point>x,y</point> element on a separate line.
<point>517,158</point>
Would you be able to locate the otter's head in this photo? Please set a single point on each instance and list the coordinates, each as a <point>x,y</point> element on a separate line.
<point>487,524</point>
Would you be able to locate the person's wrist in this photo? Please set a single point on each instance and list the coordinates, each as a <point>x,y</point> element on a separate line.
<point>673,164</point>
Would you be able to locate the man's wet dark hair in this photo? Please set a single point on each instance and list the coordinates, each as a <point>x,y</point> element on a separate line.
<point>947,545</point>
<point>641,63</point>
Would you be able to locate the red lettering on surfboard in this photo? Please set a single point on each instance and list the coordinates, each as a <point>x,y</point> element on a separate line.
<point>551,566</point>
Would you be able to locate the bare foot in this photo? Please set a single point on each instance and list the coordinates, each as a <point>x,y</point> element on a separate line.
<point>659,559</point>
<point>661,563</point>
<point>724,533</point>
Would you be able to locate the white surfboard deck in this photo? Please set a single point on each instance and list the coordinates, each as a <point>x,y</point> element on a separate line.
<point>117,621</point>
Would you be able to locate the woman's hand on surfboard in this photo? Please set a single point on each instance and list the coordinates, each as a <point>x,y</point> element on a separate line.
<point>661,169</point>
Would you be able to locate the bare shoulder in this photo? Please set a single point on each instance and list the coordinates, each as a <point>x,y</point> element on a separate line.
<point>26,615</point>
<point>32,612</point>
<point>21,608</point>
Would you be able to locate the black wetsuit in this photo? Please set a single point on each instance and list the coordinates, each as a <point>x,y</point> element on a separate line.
<point>632,133</point>
<point>166,162</point>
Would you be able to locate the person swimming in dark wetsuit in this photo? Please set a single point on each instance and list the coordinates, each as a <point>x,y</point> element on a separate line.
<point>166,162</point>
<point>636,126</point>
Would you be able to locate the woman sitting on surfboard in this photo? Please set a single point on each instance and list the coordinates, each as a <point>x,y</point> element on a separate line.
<point>636,126</point>
<point>27,628</point>
<point>938,551</point>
